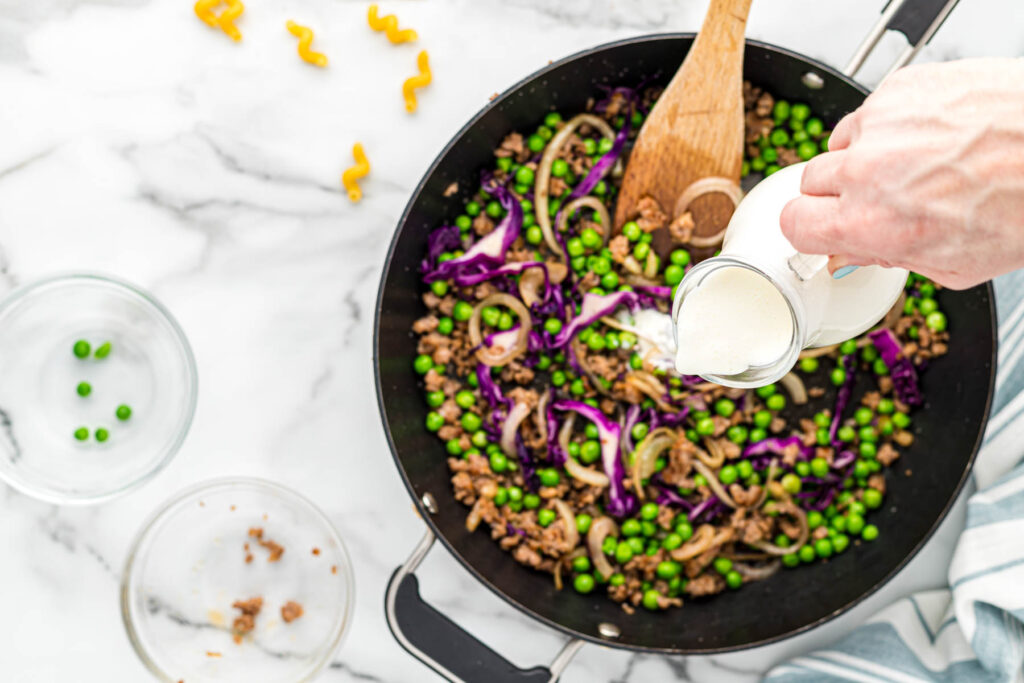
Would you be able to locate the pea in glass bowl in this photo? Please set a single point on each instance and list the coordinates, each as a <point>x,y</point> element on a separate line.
<point>197,556</point>
<point>148,366</point>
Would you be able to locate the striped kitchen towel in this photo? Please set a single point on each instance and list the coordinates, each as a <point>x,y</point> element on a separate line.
<point>974,629</point>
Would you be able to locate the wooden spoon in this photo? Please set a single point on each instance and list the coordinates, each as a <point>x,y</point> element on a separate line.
<point>695,129</point>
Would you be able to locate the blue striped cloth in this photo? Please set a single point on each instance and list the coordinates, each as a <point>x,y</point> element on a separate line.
<point>974,629</point>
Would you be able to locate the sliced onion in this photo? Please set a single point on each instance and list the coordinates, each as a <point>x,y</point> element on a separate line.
<point>701,542</point>
<point>795,386</point>
<point>632,265</point>
<point>474,516</point>
<point>572,535</point>
<point>646,454</point>
<point>714,484</point>
<point>772,471</point>
<point>587,475</point>
<point>651,265</point>
<point>540,187</point>
<point>601,528</point>
<point>565,432</point>
<point>702,187</point>
<point>541,416</point>
<point>532,280</point>
<point>487,356</point>
<point>757,573</point>
<point>648,384</point>
<point>581,359</point>
<point>805,532</point>
<point>717,457</point>
<point>590,203</point>
<point>511,427</point>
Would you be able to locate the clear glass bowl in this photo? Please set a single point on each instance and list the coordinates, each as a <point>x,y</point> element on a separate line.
<point>150,368</point>
<point>188,566</point>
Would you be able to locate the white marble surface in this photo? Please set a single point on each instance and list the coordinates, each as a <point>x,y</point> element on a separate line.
<point>135,140</point>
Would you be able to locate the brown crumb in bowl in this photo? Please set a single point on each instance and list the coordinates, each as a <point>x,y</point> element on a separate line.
<point>334,569</point>
<point>276,549</point>
<point>316,551</point>
<point>232,508</point>
<point>212,654</point>
<point>246,621</point>
<point>291,611</point>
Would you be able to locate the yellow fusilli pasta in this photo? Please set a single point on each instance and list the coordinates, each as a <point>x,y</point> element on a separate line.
<point>420,80</point>
<point>361,168</point>
<point>204,10</point>
<point>226,20</point>
<point>305,37</point>
<point>389,24</point>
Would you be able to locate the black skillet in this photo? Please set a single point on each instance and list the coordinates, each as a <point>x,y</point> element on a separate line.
<point>948,430</point>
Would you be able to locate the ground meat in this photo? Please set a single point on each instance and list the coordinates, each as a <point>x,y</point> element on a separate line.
<point>871,399</point>
<point>681,229</point>
<point>527,396</point>
<point>820,533</point>
<point>276,549</point>
<point>777,425</point>
<point>513,146</point>
<point>462,483</point>
<point>745,497</point>
<point>651,217</point>
<point>903,438</point>
<point>620,248</point>
<point>483,225</point>
<point>606,367</point>
<point>680,461</point>
<point>787,156</point>
<point>449,432</point>
<point>433,380</point>
<point>764,105</point>
<point>816,392</point>
<point>885,385</point>
<point>483,290</point>
<point>526,555</point>
<point>698,564</point>
<point>291,611</point>
<point>757,126</point>
<point>450,411</point>
<point>877,482</point>
<point>721,425</point>
<point>589,281</point>
<point>706,584</point>
<point>887,455</point>
<point>427,323</point>
<point>517,372</point>
<point>665,517</point>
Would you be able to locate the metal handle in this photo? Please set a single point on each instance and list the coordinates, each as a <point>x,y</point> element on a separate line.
<point>917,20</point>
<point>443,645</point>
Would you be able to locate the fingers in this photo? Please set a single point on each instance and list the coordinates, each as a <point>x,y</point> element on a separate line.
<point>840,261</point>
<point>811,224</point>
<point>821,175</point>
<point>844,132</point>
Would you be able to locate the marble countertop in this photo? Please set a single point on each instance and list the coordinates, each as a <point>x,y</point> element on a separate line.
<point>135,140</point>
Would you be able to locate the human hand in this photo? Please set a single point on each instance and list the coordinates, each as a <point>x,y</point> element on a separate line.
<point>928,174</point>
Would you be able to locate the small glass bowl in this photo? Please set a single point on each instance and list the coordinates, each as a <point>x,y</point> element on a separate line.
<point>197,556</point>
<point>150,368</point>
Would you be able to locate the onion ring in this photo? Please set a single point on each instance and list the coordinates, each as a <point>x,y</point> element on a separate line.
<point>532,279</point>
<point>601,528</point>
<point>572,535</point>
<point>717,457</point>
<point>706,186</point>
<point>543,177</point>
<point>701,541</point>
<point>646,454</point>
<point>795,386</point>
<point>757,573</point>
<point>648,384</point>
<point>591,203</point>
<point>511,427</point>
<point>541,416</point>
<point>714,484</point>
<point>805,532</point>
<point>522,340</point>
<point>587,475</point>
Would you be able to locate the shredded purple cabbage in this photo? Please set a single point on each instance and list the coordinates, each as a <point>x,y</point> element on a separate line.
<point>495,400</point>
<point>555,453</point>
<point>668,496</point>
<point>655,292</point>
<point>632,417</point>
<point>843,398</point>
<point>667,419</point>
<point>527,464</point>
<point>515,268</point>
<point>844,459</point>
<point>600,169</point>
<point>620,502</point>
<point>489,251</point>
<point>514,530</point>
<point>594,306</point>
<point>777,446</point>
<point>904,376</point>
<point>439,241</point>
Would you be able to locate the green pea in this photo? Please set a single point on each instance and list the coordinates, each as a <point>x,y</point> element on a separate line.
<point>545,517</point>
<point>771,168</point>
<point>549,477</point>
<point>936,321</point>
<point>102,434</point>
<point>823,547</point>
<point>641,250</point>
<point>822,436</point>
<point>868,450</point>
<point>872,498</point>
<point>505,321</point>
<point>776,402</point>
<point>791,560</point>
<point>779,137</point>
<point>493,209</point>
<point>861,469</point>
<point>840,542</point>
<point>462,311</point>
<point>863,416</point>
<point>81,433</point>
<point>623,552</point>
<point>803,468</point>
<point>838,376</point>
<point>605,145</point>
<point>434,421</point>
<point>870,532</point>
<point>770,155</point>
<point>738,434</point>
<point>809,365</point>
<point>630,527</point>
<point>791,483</point>
<point>445,325</point>
<point>758,434</point>
<point>479,439</point>
<point>854,524</point>
<point>81,348</point>
<point>868,433</point>
<point>609,280</point>
<point>103,350</point>
<point>465,399</point>
<point>722,565</point>
<point>544,132</point>
<point>632,231</point>
<point>574,246</point>
<point>734,580</point>
<point>534,235</point>
<point>819,467</point>
<point>453,447</point>
<point>596,342</point>
<point>766,391</point>
<point>758,163</point>
<point>650,599</point>
<point>423,364</point>
<point>927,306</point>
<point>434,400</point>
<point>471,422</point>
<point>725,407</point>
<point>901,420</point>
<point>814,519</point>
<point>668,569</point>
<point>558,378</point>
<point>583,583</point>
<point>807,150</point>
<point>590,451</point>
<point>559,168</point>
<point>807,553</point>
<point>531,501</point>
<point>879,367</point>
<point>83,389</point>
<point>781,110</point>
<point>814,127</point>
<point>649,511</point>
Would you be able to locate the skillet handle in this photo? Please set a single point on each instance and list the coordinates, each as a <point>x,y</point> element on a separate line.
<point>443,645</point>
<point>917,20</point>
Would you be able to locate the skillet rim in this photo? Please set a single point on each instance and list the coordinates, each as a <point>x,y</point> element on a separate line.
<point>426,516</point>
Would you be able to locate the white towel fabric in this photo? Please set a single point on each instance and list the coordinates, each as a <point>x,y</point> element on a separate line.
<point>974,629</point>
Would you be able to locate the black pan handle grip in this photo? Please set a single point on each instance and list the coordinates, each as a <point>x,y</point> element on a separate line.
<point>917,20</point>
<point>446,647</point>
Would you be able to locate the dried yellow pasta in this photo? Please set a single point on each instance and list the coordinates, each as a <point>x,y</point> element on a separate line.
<point>361,168</point>
<point>226,20</point>
<point>305,37</point>
<point>389,24</point>
<point>204,10</point>
<point>422,79</point>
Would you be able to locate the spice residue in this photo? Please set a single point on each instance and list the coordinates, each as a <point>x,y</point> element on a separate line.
<point>291,611</point>
<point>276,549</point>
<point>316,551</point>
<point>246,622</point>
